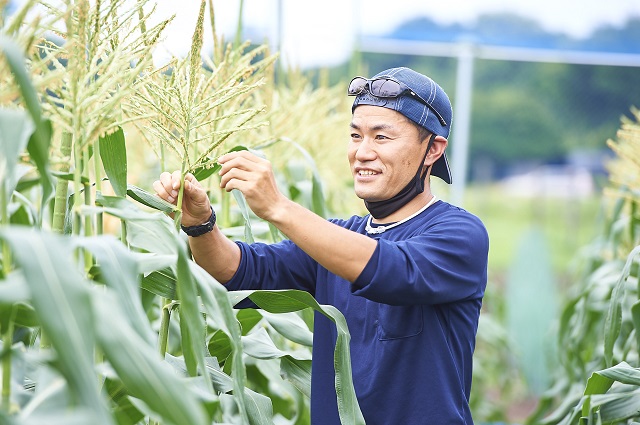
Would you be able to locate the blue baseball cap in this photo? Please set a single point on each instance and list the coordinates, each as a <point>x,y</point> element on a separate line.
<point>425,103</point>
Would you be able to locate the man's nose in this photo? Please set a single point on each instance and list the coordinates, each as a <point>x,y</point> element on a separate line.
<point>365,150</point>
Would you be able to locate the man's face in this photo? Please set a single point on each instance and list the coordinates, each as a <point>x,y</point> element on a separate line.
<point>384,152</point>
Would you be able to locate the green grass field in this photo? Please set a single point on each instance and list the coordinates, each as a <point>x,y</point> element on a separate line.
<point>568,224</point>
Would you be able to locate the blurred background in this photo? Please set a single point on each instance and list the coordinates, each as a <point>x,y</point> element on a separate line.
<point>539,90</point>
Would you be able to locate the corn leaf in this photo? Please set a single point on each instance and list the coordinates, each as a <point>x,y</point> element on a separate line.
<point>613,321</point>
<point>259,345</point>
<point>15,130</point>
<point>291,326</point>
<point>219,309</point>
<point>623,373</point>
<point>298,372</point>
<point>293,300</point>
<point>120,273</point>
<point>244,208</point>
<point>113,153</point>
<point>38,145</point>
<point>60,297</point>
<point>142,372</point>
<point>149,199</point>
<point>191,322</point>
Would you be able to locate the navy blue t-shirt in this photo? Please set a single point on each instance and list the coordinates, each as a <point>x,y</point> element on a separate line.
<point>412,314</point>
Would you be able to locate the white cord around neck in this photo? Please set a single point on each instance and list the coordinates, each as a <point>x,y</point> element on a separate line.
<point>381,229</point>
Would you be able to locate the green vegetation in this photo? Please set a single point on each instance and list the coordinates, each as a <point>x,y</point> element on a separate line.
<point>103,317</point>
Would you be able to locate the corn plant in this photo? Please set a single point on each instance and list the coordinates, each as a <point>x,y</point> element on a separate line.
<point>83,339</point>
<point>598,380</point>
<point>191,110</point>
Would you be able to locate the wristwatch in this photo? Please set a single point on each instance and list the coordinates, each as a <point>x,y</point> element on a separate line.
<point>201,229</point>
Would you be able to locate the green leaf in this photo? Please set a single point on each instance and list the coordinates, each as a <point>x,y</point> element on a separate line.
<point>298,372</point>
<point>635,316</point>
<point>149,199</point>
<point>259,345</point>
<point>16,62</point>
<point>291,326</point>
<point>615,408</point>
<point>69,177</point>
<point>202,173</point>
<point>123,410</point>
<point>294,300</point>
<point>248,318</point>
<point>113,152</point>
<point>14,289</point>
<point>191,321</point>
<point>162,283</point>
<point>220,345</point>
<point>613,321</point>
<point>120,273</point>
<point>318,203</point>
<point>151,231</point>
<point>137,364</point>
<point>218,306</point>
<point>59,295</point>
<point>15,130</point>
<point>244,208</point>
<point>622,372</point>
<point>38,145</point>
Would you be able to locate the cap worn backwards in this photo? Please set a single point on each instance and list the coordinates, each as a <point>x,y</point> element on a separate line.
<point>415,110</point>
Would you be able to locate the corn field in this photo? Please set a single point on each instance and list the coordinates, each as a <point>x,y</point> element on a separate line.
<point>104,317</point>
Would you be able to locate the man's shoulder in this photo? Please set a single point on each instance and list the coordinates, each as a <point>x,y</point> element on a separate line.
<point>444,209</point>
<point>445,213</point>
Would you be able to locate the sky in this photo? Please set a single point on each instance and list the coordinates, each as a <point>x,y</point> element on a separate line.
<point>323,33</point>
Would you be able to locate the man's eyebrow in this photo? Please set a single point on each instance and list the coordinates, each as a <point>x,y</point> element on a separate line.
<point>374,128</point>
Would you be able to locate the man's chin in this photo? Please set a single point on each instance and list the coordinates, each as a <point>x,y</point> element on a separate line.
<point>368,198</point>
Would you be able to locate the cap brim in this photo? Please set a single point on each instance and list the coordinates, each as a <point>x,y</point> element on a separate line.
<point>441,169</point>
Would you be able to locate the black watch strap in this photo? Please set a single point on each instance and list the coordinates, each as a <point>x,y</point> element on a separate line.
<point>201,229</point>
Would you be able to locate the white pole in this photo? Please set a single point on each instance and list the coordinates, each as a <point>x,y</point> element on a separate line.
<point>461,123</point>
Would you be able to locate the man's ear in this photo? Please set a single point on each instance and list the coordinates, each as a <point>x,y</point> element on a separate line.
<point>437,149</point>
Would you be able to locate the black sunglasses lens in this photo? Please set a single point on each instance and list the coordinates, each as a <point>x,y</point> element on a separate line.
<point>357,85</point>
<point>385,88</point>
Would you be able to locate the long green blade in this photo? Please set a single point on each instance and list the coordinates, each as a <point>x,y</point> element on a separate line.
<point>61,299</point>
<point>293,300</point>
<point>114,160</point>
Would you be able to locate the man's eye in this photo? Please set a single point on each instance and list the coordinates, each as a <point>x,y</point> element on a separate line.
<point>381,136</point>
<point>355,136</point>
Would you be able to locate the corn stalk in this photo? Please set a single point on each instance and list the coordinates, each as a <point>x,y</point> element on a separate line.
<point>99,59</point>
<point>600,324</point>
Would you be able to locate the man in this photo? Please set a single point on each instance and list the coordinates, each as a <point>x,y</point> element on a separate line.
<point>409,277</point>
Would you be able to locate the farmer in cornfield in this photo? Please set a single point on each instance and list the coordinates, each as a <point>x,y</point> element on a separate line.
<point>409,277</point>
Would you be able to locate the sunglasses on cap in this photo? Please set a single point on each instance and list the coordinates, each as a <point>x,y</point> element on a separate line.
<point>387,87</point>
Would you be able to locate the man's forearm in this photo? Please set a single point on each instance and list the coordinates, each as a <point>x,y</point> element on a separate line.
<point>217,254</point>
<point>341,251</point>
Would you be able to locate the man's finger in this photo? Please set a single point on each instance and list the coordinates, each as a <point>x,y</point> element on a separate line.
<point>234,174</point>
<point>161,191</point>
<point>239,154</point>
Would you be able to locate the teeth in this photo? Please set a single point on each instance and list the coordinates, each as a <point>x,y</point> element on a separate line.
<point>366,173</point>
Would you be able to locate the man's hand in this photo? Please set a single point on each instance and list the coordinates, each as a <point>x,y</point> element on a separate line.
<point>196,207</point>
<point>253,176</point>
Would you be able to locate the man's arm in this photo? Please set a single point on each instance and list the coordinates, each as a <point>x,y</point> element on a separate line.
<point>341,251</point>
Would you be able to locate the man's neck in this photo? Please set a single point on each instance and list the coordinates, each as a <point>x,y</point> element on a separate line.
<point>409,208</point>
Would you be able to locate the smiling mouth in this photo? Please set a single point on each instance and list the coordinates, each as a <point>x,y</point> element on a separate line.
<point>367,173</point>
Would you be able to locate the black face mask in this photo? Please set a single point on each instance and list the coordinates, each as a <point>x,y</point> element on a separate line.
<point>380,209</point>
